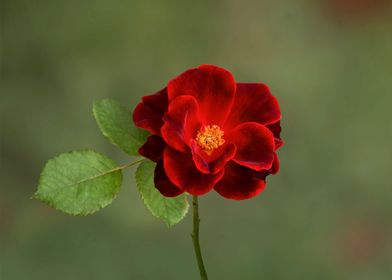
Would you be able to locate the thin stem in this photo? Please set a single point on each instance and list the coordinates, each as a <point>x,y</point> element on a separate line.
<point>195,238</point>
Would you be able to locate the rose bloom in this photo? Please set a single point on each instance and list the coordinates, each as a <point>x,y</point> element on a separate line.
<point>209,132</point>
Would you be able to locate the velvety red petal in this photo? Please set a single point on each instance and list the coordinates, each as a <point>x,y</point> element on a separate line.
<point>255,145</point>
<point>163,184</point>
<point>182,122</point>
<point>182,171</point>
<point>212,86</point>
<point>253,103</point>
<point>212,164</point>
<point>276,129</point>
<point>153,148</point>
<point>273,170</point>
<point>148,114</point>
<point>275,165</point>
<point>239,182</point>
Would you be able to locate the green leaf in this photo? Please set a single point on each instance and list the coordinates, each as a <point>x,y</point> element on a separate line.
<point>116,124</point>
<point>170,210</point>
<point>79,182</point>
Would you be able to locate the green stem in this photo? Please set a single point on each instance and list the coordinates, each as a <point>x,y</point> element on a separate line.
<point>195,238</point>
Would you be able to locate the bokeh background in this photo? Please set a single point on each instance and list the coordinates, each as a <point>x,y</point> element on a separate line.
<point>326,215</point>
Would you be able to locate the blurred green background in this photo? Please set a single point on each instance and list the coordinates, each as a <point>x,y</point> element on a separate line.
<point>326,215</point>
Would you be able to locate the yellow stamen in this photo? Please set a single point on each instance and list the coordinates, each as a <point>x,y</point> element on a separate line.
<point>209,138</point>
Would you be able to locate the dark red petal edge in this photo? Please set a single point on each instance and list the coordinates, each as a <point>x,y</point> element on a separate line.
<point>255,145</point>
<point>182,171</point>
<point>153,148</point>
<point>163,184</point>
<point>240,182</point>
<point>148,114</point>
<point>276,130</point>
<point>253,103</point>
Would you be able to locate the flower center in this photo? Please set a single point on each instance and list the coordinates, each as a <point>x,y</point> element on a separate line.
<point>209,138</point>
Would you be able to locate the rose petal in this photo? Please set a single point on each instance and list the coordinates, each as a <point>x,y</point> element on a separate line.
<point>148,114</point>
<point>153,148</point>
<point>182,171</point>
<point>276,165</point>
<point>273,170</point>
<point>212,86</point>
<point>255,145</point>
<point>163,184</point>
<point>276,129</point>
<point>212,164</point>
<point>239,182</point>
<point>253,103</point>
<point>181,122</point>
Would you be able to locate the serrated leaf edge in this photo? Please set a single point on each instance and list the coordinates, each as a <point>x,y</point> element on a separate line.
<point>169,225</point>
<point>49,203</point>
<point>104,132</point>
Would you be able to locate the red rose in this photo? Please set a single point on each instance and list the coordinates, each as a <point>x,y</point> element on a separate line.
<point>210,132</point>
